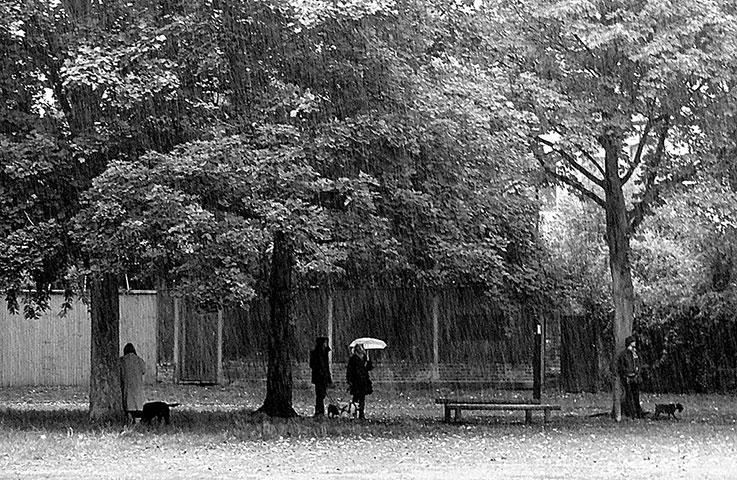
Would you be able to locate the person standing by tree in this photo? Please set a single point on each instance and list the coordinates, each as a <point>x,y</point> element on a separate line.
<point>359,382</point>
<point>321,378</point>
<point>132,369</point>
<point>628,369</point>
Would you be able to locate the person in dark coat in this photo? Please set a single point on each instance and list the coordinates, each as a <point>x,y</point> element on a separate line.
<point>357,375</point>
<point>321,378</point>
<point>628,369</point>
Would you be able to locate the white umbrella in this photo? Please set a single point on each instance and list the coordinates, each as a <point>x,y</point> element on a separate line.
<point>368,343</point>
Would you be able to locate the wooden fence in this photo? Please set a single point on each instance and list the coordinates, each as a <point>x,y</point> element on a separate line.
<point>447,336</point>
<point>451,336</point>
<point>55,350</point>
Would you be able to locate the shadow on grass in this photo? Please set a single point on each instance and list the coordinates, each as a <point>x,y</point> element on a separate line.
<point>244,425</point>
<point>237,424</point>
<point>58,419</point>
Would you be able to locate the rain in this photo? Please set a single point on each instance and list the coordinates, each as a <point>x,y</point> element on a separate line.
<point>511,206</point>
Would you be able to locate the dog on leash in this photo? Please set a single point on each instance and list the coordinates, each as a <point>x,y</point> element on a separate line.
<point>667,409</point>
<point>337,411</point>
<point>158,410</point>
<point>333,410</point>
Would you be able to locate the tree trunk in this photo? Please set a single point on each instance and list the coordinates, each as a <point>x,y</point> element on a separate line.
<point>278,401</point>
<point>106,399</point>
<point>618,241</point>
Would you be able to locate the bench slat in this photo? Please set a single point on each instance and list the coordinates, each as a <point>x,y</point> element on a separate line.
<point>459,406</point>
<point>473,401</point>
<point>502,406</point>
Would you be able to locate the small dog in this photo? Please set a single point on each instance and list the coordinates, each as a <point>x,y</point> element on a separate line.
<point>333,410</point>
<point>151,410</point>
<point>337,411</point>
<point>668,409</point>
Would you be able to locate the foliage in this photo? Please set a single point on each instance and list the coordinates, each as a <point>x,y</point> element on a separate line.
<point>687,247</point>
<point>684,262</point>
<point>82,83</point>
<point>572,231</point>
<point>646,74</point>
<point>202,216</point>
<point>442,141</point>
<point>410,140</point>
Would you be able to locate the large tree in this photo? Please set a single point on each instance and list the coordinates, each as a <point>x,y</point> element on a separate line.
<point>617,90</point>
<point>350,153</point>
<point>83,83</point>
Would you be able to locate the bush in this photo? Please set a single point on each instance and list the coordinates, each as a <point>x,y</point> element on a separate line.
<point>692,348</point>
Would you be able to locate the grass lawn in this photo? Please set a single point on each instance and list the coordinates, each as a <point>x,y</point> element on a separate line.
<point>44,434</point>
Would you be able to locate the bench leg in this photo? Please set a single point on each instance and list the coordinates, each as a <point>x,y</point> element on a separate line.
<point>547,415</point>
<point>528,416</point>
<point>447,414</point>
<point>458,414</point>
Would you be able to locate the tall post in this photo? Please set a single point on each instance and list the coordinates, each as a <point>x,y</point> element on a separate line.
<point>537,370</point>
<point>176,340</point>
<point>330,326</point>
<point>220,347</point>
<point>435,377</point>
<point>543,352</point>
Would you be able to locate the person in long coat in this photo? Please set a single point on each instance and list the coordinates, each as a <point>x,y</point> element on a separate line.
<point>321,378</point>
<point>628,369</point>
<point>359,381</point>
<point>132,369</point>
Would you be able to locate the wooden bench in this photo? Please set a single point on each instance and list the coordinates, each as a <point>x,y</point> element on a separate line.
<point>458,404</point>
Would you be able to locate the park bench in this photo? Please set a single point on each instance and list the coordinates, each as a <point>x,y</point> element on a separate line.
<point>458,404</point>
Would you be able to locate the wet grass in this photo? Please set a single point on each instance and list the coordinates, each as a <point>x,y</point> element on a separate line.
<point>45,432</point>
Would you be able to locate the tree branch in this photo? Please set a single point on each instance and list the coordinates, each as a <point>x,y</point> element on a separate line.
<point>571,182</point>
<point>652,191</point>
<point>570,159</point>
<point>592,160</point>
<point>591,53</point>
<point>638,154</point>
<point>653,196</point>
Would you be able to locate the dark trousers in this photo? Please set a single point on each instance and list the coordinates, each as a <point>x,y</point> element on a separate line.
<point>321,391</point>
<point>360,401</point>
<point>631,402</point>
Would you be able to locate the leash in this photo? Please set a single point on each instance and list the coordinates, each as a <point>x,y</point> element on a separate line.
<point>346,408</point>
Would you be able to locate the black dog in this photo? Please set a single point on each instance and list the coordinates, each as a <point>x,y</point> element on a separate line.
<point>151,410</point>
<point>333,410</point>
<point>668,409</point>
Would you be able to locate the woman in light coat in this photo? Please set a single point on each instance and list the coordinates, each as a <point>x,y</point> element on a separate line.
<point>132,369</point>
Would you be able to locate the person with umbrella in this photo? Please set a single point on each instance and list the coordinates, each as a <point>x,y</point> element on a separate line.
<point>359,381</point>
<point>321,378</point>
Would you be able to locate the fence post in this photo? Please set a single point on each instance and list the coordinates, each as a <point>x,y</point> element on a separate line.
<point>330,326</point>
<point>220,347</point>
<point>537,370</point>
<point>435,377</point>
<point>176,340</point>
